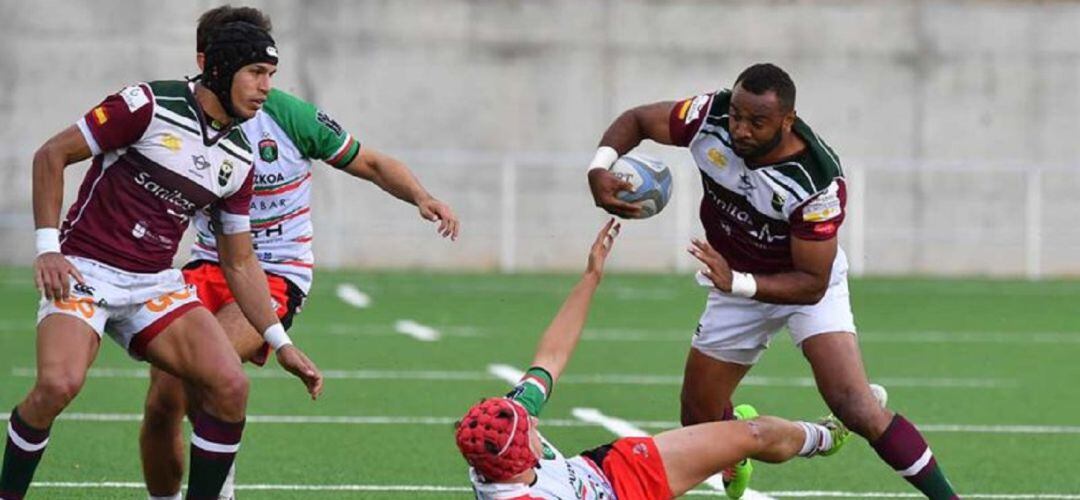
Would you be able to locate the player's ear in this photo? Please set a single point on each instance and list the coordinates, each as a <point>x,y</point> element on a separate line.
<point>789,120</point>
<point>200,59</point>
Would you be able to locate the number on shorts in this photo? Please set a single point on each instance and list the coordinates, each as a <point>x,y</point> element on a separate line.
<point>83,306</point>
<point>165,301</point>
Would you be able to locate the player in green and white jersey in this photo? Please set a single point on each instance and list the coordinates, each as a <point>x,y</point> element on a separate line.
<point>288,136</point>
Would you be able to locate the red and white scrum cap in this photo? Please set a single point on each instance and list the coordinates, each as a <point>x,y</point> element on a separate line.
<point>493,436</point>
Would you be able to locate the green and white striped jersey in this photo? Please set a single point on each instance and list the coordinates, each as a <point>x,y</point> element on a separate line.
<point>287,133</point>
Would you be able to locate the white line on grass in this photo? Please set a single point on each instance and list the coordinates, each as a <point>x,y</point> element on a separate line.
<point>385,330</point>
<point>351,295</point>
<point>624,428</point>
<point>422,488</point>
<point>506,372</point>
<point>550,422</point>
<point>417,331</point>
<point>906,337</point>
<point>594,379</point>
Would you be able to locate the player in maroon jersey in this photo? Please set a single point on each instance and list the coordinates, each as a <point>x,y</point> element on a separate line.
<point>162,150</point>
<point>775,197</point>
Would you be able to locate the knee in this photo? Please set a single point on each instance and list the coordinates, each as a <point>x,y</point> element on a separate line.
<point>231,391</point>
<point>51,394</point>
<point>860,412</point>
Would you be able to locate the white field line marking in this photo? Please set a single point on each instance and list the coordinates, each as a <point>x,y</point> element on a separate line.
<point>506,372</point>
<point>914,337</point>
<point>384,330</point>
<point>416,330</point>
<point>595,379</point>
<point>549,422</point>
<point>351,295</point>
<point>623,428</point>
<point>460,489</point>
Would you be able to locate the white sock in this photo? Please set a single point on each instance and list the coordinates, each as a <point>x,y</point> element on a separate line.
<point>168,497</point>
<point>816,439</point>
<point>228,490</point>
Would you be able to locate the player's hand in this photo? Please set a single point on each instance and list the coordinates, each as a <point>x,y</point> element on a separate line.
<point>51,272</point>
<point>601,247</point>
<point>435,210</point>
<point>604,186</point>
<point>294,361</point>
<point>716,267</point>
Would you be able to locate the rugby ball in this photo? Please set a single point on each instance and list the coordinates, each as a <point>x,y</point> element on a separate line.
<point>651,179</point>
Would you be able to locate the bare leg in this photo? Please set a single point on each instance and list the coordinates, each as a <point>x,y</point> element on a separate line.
<point>692,454</point>
<point>66,346</point>
<point>161,444</point>
<point>195,348</point>
<point>708,384</point>
<point>841,379</point>
<point>161,439</point>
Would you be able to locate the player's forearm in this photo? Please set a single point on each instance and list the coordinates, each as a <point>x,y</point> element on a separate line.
<point>48,187</point>
<point>562,335</point>
<point>391,175</point>
<point>247,281</point>
<point>793,287</point>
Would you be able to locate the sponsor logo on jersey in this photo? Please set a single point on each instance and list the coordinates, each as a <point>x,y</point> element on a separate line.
<point>822,208</point>
<point>163,193</point>
<point>200,162</point>
<point>268,150</point>
<point>325,119</point>
<point>139,230</point>
<point>100,116</point>
<point>826,229</point>
<point>135,97</point>
<point>269,179</point>
<point>693,111</point>
<point>717,157</point>
<point>172,142</point>
<point>746,185</point>
<point>225,173</point>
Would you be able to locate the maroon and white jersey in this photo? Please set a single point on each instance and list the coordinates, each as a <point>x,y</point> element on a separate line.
<point>157,161</point>
<point>750,214</point>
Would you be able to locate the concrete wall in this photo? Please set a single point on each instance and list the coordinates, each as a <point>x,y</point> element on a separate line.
<point>944,107</point>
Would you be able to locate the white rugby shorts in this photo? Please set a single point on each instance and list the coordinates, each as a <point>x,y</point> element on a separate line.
<point>738,330</point>
<point>131,307</point>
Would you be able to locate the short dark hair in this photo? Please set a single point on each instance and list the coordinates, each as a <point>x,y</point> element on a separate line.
<point>226,14</point>
<point>761,78</point>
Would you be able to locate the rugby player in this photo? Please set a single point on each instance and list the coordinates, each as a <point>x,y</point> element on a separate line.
<point>162,151</point>
<point>511,461</point>
<point>289,134</point>
<point>774,199</point>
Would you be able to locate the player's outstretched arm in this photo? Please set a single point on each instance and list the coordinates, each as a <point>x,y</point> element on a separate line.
<point>561,336</point>
<point>394,177</point>
<point>649,121</point>
<point>247,281</point>
<point>805,284</point>
<point>51,269</point>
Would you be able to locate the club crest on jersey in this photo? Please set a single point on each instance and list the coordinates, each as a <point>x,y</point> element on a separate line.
<point>135,97</point>
<point>777,202</point>
<point>268,150</point>
<point>172,142</point>
<point>139,230</point>
<point>717,158</point>
<point>225,173</point>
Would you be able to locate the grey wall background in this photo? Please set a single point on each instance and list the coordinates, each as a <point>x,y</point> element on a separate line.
<point>956,118</point>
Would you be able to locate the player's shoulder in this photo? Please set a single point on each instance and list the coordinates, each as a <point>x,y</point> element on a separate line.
<point>721,101</point>
<point>816,168</point>
<point>172,95</point>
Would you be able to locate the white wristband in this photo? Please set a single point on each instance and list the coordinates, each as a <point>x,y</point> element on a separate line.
<point>743,284</point>
<point>275,336</point>
<point>47,240</point>
<point>605,158</point>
